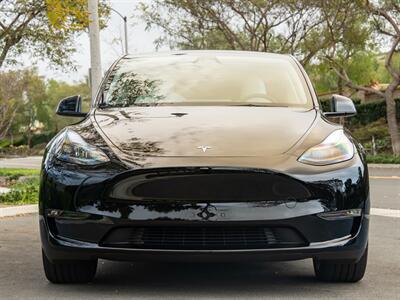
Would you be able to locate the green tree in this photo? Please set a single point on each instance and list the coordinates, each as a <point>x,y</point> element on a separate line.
<point>45,29</point>
<point>382,73</point>
<point>347,45</point>
<point>386,16</point>
<point>28,103</point>
<point>286,26</point>
<point>362,67</point>
<point>22,101</point>
<point>311,30</point>
<point>11,87</point>
<point>34,109</point>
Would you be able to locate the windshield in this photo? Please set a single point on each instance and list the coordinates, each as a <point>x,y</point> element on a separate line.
<point>206,80</point>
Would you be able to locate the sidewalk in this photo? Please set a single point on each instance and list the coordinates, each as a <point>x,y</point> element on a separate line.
<point>11,211</point>
<point>29,162</point>
<point>384,166</point>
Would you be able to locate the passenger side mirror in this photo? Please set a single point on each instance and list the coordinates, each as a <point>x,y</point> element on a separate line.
<point>341,106</point>
<point>71,107</point>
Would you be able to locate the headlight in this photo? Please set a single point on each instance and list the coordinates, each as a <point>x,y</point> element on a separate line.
<point>334,149</point>
<point>73,148</point>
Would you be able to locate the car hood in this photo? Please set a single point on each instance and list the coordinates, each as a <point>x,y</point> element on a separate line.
<point>203,131</point>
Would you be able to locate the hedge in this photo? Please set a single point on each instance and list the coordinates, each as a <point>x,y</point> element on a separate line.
<point>40,138</point>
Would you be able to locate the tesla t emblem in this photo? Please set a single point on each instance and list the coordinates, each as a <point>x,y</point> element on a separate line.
<point>204,148</point>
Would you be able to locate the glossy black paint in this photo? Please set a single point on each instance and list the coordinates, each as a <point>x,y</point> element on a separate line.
<point>341,106</point>
<point>80,205</point>
<point>87,213</point>
<point>70,107</point>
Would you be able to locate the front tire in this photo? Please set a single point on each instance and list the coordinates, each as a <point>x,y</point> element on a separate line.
<point>79,271</point>
<point>327,270</point>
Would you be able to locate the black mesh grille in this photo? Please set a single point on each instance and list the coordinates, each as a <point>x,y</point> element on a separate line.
<point>203,238</point>
<point>208,185</point>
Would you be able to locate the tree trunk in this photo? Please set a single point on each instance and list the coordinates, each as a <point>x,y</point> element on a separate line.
<point>391,118</point>
<point>340,86</point>
<point>29,138</point>
<point>3,53</point>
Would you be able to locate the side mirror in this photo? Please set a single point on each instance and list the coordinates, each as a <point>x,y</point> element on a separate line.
<point>341,106</point>
<point>71,107</point>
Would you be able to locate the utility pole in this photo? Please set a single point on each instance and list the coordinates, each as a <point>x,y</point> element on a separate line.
<point>94,36</point>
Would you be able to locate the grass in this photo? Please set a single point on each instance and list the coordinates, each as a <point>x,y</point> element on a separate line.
<point>383,159</point>
<point>22,192</point>
<point>16,173</point>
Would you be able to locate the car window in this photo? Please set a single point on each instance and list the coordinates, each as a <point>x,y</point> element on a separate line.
<point>207,80</point>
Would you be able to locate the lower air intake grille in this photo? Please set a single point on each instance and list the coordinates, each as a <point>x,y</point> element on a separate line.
<point>203,238</point>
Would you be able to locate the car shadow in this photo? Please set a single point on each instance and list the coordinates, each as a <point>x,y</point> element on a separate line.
<point>204,278</point>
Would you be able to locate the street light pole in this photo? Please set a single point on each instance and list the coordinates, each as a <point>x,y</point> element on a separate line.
<point>94,36</point>
<point>126,34</point>
<point>125,28</point>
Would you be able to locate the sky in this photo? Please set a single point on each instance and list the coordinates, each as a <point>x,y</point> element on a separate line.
<point>139,40</point>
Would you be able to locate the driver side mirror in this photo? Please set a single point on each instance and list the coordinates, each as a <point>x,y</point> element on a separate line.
<point>341,106</point>
<point>71,107</point>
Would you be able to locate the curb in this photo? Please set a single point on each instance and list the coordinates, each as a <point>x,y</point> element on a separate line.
<point>385,212</point>
<point>18,210</point>
<point>384,166</point>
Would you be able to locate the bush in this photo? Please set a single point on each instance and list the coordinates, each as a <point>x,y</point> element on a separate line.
<point>24,185</point>
<point>23,192</point>
<point>5,143</point>
<point>19,151</point>
<point>40,138</point>
<point>378,129</point>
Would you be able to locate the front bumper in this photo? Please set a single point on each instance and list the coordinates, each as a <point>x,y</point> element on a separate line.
<point>77,211</point>
<point>346,248</point>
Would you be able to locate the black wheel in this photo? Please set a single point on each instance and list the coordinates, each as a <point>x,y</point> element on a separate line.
<point>327,270</point>
<point>79,271</point>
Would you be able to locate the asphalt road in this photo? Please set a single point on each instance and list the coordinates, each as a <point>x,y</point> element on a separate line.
<point>21,275</point>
